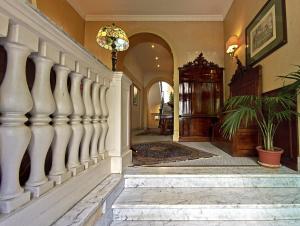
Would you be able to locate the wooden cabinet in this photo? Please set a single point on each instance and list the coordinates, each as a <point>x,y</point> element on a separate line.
<point>245,81</point>
<point>200,99</point>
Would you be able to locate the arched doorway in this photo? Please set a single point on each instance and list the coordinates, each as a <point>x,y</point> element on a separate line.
<point>160,99</point>
<point>149,59</point>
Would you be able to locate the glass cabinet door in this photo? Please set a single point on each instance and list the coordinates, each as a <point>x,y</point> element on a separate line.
<point>185,94</point>
<point>206,98</point>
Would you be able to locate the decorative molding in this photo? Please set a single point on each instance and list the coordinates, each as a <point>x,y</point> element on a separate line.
<point>199,62</point>
<point>154,17</point>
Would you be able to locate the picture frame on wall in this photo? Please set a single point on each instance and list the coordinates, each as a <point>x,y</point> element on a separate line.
<point>266,32</point>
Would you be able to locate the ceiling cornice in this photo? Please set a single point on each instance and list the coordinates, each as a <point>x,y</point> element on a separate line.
<point>154,17</point>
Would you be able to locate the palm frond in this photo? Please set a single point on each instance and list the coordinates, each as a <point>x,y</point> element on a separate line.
<point>284,100</point>
<point>283,115</point>
<point>236,101</point>
<point>233,120</point>
<point>295,77</point>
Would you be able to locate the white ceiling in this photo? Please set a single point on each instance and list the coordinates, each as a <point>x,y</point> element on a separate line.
<point>152,10</point>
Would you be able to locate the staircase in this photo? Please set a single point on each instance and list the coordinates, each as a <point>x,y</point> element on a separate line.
<point>210,196</point>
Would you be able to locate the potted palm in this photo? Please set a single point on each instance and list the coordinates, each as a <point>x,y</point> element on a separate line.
<point>267,112</point>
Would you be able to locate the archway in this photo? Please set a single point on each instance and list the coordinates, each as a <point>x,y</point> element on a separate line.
<point>160,102</point>
<point>149,59</point>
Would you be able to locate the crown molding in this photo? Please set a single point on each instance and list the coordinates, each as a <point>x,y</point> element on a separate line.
<point>154,17</point>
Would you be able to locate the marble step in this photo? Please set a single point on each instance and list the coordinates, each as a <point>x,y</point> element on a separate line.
<point>212,204</point>
<point>148,177</point>
<point>207,223</point>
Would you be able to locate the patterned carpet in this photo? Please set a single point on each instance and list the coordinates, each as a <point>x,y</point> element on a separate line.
<point>164,152</point>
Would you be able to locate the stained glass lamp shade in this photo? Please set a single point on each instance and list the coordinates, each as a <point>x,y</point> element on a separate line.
<point>114,39</point>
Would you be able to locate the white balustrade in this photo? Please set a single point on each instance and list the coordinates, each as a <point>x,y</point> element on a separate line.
<point>85,158</point>
<point>64,107</point>
<point>103,118</point>
<point>58,171</point>
<point>96,119</point>
<point>80,124</point>
<point>77,128</point>
<point>15,102</point>
<point>42,132</point>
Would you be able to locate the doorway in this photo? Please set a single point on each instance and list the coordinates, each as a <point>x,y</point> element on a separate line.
<point>161,108</point>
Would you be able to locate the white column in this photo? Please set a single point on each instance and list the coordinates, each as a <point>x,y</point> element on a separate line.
<point>15,102</point>
<point>117,138</point>
<point>42,132</point>
<point>103,119</point>
<point>96,119</point>
<point>58,171</point>
<point>85,158</point>
<point>77,128</point>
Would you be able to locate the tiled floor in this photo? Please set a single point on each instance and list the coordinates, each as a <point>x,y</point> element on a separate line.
<point>148,138</point>
<point>221,158</point>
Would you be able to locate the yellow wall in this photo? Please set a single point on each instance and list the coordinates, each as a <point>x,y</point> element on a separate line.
<point>279,62</point>
<point>61,12</point>
<point>186,39</point>
<point>33,2</point>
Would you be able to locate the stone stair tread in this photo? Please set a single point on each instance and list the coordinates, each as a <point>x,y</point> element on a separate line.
<point>209,196</point>
<point>207,223</point>
<point>251,171</point>
<point>160,198</point>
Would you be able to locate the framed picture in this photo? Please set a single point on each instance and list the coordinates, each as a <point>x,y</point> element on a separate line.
<point>135,96</point>
<point>266,32</point>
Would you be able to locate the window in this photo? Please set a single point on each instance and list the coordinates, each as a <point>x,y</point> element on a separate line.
<point>135,98</point>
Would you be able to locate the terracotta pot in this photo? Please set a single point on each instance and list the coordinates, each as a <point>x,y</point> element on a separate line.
<point>269,158</point>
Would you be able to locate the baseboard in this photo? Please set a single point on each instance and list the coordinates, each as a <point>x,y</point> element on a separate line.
<point>119,163</point>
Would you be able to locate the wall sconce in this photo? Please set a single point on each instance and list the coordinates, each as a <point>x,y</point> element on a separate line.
<point>232,45</point>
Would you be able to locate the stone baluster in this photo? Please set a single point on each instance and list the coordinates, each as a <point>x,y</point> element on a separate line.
<point>42,132</point>
<point>15,102</point>
<point>88,127</point>
<point>104,116</point>
<point>96,119</point>
<point>58,171</point>
<point>77,128</point>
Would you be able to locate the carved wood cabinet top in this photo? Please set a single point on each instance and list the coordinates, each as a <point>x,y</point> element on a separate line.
<point>199,63</point>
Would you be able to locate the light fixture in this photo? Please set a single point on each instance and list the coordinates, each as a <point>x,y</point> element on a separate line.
<point>152,46</point>
<point>114,39</point>
<point>232,44</point>
<point>156,58</point>
<point>158,65</point>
